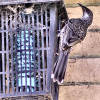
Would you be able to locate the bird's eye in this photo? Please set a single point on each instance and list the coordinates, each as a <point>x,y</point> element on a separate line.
<point>70,21</point>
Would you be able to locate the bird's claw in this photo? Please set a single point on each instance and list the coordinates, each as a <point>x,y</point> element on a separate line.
<point>57,54</point>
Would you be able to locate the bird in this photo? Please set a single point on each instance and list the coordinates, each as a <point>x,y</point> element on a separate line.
<point>73,32</point>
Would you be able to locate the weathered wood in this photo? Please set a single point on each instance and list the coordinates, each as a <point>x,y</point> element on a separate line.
<point>6,2</point>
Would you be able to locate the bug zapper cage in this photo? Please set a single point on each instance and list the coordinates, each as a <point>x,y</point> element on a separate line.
<point>27,51</point>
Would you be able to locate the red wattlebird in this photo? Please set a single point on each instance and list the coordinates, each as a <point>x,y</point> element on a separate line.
<point>72,33</point>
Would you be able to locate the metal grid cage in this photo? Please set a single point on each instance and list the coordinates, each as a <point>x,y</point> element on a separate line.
<point>38,97</point>
<point>27,50</point>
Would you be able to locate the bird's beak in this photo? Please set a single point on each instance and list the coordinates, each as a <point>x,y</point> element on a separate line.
<point>80,4</point>
<point>87,13</point>
<point>83,7</point>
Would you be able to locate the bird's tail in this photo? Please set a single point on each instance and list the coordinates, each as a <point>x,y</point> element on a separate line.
<point>60,67</point>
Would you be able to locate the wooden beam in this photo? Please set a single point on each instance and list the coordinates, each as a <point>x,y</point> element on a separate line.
<point>6,2</point>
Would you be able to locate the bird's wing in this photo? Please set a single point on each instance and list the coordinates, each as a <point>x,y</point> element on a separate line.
<point>64,36</point>
<point>72,33</point>
<point>78,28</point>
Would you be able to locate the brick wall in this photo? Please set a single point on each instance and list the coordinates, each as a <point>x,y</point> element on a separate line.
<point>81,1</point>
<point>82,81</point>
